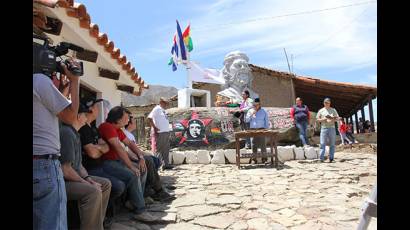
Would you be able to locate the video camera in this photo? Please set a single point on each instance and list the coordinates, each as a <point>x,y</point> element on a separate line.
<point>45,57</point>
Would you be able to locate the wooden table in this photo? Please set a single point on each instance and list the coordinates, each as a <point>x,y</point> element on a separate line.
<point>257,133</point>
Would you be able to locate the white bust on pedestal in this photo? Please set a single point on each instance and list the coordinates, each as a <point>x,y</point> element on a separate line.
<point>238,77</point>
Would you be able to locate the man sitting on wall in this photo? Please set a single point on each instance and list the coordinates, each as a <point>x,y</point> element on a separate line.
<point>153,186</point>
<point>93,147</point>
<point>92,192</point>
<point>117,163</point>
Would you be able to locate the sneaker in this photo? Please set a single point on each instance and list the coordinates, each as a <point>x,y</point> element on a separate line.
<point>163,196</point>
<point>145,217</point>
<point>171,187</point>
<point>322,160</point>
<point>330,160</point>
<point>148,200</point>
<point>248,147</point>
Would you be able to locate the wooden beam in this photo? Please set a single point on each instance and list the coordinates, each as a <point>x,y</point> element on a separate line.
<point>114,75</point>
<point>363,115</point>
<point>87,55</point>
<point>54,26</point>
<point>125,88</point>
<point>339,88</point>
<point>329,93</point>
<point>371,115</point>
<point>356,122</point>
<point>312,101</point>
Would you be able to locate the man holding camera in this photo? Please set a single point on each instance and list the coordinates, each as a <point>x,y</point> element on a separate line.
<point>49,105</point>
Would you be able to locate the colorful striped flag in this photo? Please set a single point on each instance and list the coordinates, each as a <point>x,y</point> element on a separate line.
<point>187,39</point>
<point>182,45</point>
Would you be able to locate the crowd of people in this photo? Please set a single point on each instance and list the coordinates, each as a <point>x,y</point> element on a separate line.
<point>253,116</point>
<point>97,168</point>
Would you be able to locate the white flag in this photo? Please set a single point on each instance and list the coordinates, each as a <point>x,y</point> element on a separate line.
<point>199,74</point>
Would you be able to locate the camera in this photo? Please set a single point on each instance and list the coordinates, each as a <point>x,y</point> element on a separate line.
<point>45,57</point>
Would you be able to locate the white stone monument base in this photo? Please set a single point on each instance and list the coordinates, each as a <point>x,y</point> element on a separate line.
<point>184,97</point>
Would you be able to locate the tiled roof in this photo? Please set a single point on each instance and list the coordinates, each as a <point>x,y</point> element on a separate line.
<point>79,11</point>
<point>312,80</point>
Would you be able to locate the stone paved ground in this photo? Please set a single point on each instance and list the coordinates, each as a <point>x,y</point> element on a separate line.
<point>303,194</point>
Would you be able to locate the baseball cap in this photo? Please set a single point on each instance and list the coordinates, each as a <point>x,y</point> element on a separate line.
<point>326,100</point>
<point>256,100</point>
<point>163,99</point>
<point>83,109</point>
<point>91,102</point>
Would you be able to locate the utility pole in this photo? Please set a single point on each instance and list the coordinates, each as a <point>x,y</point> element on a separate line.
<point>291,80</point>
<point>287,60</point>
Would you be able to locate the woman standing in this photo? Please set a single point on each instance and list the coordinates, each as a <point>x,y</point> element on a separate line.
<point>301,117</point>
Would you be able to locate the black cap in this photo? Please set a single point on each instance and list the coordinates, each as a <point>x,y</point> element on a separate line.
<point>83,109</point>
<point>91,102</point>
<point>257,100</point>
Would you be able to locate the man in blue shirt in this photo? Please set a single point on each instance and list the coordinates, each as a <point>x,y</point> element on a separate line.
<point>258,119</point>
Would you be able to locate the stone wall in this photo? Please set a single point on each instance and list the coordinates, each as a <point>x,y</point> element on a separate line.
<point>228,156</point>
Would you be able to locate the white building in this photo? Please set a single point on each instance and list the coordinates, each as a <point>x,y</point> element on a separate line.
<point>106,70</point>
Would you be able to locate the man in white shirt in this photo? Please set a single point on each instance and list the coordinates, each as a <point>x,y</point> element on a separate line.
<point>158,120</point>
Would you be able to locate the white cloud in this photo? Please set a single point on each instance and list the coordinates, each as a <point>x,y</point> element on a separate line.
<point>351,43</point>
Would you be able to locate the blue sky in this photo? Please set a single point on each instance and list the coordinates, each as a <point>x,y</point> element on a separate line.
<point>338,44</point>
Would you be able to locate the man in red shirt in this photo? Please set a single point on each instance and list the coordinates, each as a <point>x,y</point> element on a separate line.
<point>117,163</point>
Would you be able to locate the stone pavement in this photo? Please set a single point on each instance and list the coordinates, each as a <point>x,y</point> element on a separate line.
<point>302,194</point>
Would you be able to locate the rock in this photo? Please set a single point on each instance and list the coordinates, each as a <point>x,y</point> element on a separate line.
<point>190,213</point>
<point>191,157</point>
<point>285,153</point>
<point>178,157</point>
<point>299,153</point>
<point>183,226</point>
<point>276,226</point>
<point>258,224</point>
<point>191,199</point>
<point>223,200</point>
<point>239,226</point>
<point>218,157</point>
<point>310,153</point>
<point>230,154</point>
<point>217,221</point>
<point>203,157</point>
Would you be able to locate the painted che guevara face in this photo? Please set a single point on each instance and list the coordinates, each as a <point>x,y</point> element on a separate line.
<point>195,130</point>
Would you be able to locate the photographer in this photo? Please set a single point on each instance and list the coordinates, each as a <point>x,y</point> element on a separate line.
<point>49,105</point>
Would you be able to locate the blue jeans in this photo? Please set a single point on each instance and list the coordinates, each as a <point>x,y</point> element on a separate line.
<point>327,136</point>
<point>49,195</point>
<point>245,126</point>
<point>302,127</point>
<point>133,183</point>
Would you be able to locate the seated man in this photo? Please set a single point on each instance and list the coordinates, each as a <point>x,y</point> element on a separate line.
<point>93,148</point>
<point>258,119</point>
<point>91,192</point>
<point>117,163</point>
<point>153,187</point>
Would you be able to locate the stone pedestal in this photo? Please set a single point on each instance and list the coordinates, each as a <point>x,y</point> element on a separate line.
<point>184,97</point>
